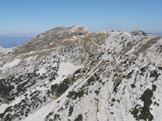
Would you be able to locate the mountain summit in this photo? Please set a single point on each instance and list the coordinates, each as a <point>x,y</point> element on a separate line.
<point>73,74</point>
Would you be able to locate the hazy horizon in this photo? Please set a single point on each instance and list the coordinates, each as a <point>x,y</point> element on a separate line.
<point>29,34</point>
<point>37,16</point>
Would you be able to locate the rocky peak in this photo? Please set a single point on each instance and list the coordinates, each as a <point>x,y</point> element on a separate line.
<point>60,36</point>
<point>138,32</point>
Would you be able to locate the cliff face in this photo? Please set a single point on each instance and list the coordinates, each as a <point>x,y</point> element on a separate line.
<point>72,74</point>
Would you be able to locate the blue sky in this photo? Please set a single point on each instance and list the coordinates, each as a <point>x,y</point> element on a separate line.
<point>34,16</point>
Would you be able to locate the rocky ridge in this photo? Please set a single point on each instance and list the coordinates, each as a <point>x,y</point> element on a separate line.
<point>73,74</point>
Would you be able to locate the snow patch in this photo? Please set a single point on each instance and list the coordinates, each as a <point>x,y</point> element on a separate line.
<point>41,71</point>
<point>11,64</point>
<point>5,50</point>
<point>65,70</point>
<point>4,106</point>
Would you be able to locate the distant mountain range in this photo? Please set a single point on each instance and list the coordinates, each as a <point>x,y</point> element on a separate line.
<point>8,41</point>
<point>160,34</point>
